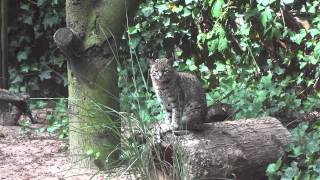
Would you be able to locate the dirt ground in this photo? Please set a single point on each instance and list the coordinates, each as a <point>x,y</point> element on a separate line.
<point>27,155</point>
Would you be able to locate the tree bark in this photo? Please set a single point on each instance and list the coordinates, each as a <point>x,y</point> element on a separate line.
<point>90,45</point>
<point>3,44</point>
<point>231,149</point>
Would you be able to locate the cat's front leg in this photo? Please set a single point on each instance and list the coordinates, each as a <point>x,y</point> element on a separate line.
<point>168,116</point>
<point>175,119</point>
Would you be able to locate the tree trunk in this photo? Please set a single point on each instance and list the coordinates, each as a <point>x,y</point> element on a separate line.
<point>231,149</point>
<point>3,44</point>
<point>90,45</point>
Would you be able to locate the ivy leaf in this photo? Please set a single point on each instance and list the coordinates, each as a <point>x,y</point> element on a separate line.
<point>147,11</point>
<point>22,55</point>
<point>40,2</point>
<point>186,12</point>
<point>313,32</point>
<point>17,79</point>
<point>287,1</point>
<point>216,9</point>
<point>161,8</point>
<point>28,20</point>
<point>266,16</point>
<point>297,38</point>
<point>316,51</point>
<point>45,75</point>
<point>134,29</point>
<point>58,61</point>
<point>274,167</point>
<point>25,6</point>
<point>212,46</point>
<point>223,44</point>
<point>265,2</point>
<point>24,68</point>
<point>190,1</point>
<point>316,166</point>
<point>50,20</point>
<point>134,42</point>
<point>291,172</point>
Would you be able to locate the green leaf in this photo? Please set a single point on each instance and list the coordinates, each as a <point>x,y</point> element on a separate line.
<point>50,20</point>
<point>297,38</point>
<point>147,11</point>
<point>216,10</point>
<point>28,20</point>
<point>291,172</point>
<point>316,166</point>
<point>203,68</point>
<point>58,61</point>
<point>316,51</point>
<point>25,6</point>
<point>266,16</point>
<point>186,12</point>
<point>265,2</point>
<point>161,8</point>
<point>22,55</point>
<point>220,67</point>
<point>24,68</point>
<point>134,42</point>
<point>313,32</point>
<point>212,46</point>
<point>40,2</point>
<point>90,152</point>
<point>223,44</point>
<point>287,1</point>
<point>274,167</point>
<point>45,75</point>
<point>190,1</point>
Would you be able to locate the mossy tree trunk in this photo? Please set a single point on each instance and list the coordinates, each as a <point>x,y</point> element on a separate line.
<point>90,45</point>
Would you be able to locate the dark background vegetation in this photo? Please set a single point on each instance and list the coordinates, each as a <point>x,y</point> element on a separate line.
<point>261,56</point>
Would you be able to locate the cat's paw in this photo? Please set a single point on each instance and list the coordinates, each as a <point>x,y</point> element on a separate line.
<point>174,126</point>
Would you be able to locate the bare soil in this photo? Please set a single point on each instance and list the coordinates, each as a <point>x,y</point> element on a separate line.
<point>28,155</point>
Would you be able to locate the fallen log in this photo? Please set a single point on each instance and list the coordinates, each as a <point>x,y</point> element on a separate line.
<point>12,106</point>
<point>231,149</point>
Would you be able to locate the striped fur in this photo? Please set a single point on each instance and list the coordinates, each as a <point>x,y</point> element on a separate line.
<point>181,94</point>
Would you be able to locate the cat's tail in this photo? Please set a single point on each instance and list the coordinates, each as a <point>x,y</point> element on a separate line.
<point>219,112</point>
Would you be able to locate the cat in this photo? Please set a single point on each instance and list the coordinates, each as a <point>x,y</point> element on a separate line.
<point>180,93</point>
<point>183,97</point>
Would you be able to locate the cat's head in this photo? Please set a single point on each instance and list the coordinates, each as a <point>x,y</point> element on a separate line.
<point>161,70</point>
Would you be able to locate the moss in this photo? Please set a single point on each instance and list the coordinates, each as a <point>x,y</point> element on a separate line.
<point>90,123</point>
<point>96,127</point>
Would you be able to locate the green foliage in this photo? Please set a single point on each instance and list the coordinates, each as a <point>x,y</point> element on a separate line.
<point>34,58</point>
<point>302,156</point>
<point>246,53</point>
<point>59,120</point>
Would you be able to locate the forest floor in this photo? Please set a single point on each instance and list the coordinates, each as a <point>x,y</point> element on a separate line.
<point>28,155</point>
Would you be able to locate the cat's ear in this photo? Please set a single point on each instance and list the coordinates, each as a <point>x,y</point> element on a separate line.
<point>170,61</point>
<point>151,61</point>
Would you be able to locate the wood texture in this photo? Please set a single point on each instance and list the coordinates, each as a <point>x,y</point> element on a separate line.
<point>231,149</point>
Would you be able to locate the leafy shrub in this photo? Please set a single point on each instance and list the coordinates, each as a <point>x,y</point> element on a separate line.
<point>302,156</point>
<point>58,119</point>
<point>260,56</point>
<point>35,64</point>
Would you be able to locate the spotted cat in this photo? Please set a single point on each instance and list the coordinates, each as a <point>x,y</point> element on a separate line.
<point>183,97</point>
<point>180,93</point>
